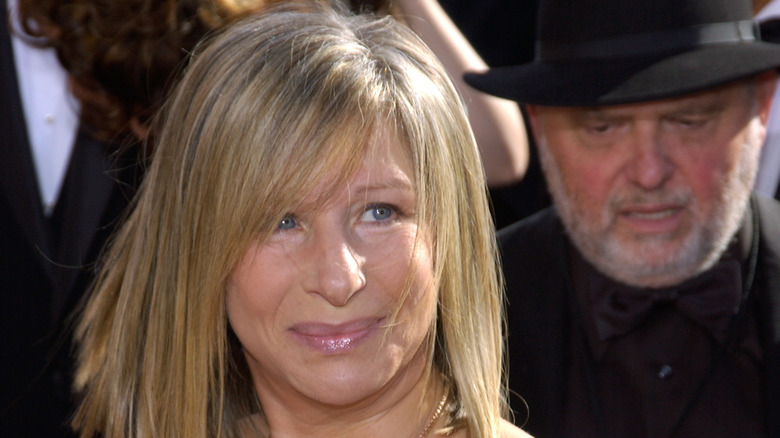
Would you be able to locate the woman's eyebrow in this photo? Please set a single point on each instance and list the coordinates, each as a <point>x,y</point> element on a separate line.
<point>390,183</point>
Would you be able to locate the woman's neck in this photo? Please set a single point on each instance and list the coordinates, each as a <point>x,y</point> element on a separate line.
<point>403,408</point>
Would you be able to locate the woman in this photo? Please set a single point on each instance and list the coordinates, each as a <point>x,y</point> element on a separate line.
<point>311,253</point>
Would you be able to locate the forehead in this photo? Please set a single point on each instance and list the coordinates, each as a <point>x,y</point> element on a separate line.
<point>734,96</point>
<point>386,163</point>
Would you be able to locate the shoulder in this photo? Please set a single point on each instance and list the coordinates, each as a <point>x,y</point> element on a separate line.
<point>768,211</point>
<point>506,430</point>
<point>509,430</point>
<point>767,205</point>
<point>532,250</point>
<point>541,224</point>
<point>525,239</point>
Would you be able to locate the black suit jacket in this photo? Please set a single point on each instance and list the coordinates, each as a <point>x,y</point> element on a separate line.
<point>535,259</point>
<point>45,264</point>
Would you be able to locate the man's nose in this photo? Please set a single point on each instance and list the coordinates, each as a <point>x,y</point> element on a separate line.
<point>649,165</point>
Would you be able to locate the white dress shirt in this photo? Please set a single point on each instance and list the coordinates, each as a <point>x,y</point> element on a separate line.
<point>50,111</point>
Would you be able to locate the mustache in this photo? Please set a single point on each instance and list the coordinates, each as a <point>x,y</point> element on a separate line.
<point>637,197</point>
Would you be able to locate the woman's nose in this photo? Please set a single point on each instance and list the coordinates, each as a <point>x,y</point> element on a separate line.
<point>336,269</point>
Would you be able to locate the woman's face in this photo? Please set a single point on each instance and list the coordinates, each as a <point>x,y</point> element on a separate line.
<point>314,305</point>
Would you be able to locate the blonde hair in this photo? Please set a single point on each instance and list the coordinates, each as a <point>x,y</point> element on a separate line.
<point>265,108</point>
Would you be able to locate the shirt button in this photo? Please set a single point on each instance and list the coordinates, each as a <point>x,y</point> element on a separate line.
<point>665,372</point>
<point>48,118</point>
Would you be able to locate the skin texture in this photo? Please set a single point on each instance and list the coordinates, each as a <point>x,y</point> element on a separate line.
<point>314,306</point>
<point>651,193</point>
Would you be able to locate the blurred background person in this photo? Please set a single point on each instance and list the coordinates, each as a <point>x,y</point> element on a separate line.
<point>68,168</point>
<point>497,123</point>
<point>502,32</point>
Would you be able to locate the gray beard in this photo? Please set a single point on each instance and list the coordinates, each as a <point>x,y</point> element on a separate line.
<point>701,248</point>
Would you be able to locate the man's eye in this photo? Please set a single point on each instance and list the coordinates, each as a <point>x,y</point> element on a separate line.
<point>599,128</point>
<point>691,122</point>
<point>287,223</point>
<point>377,213</point>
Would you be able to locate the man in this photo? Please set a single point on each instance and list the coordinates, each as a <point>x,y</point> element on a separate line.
<point>646,303</point>
<point>58,201</point>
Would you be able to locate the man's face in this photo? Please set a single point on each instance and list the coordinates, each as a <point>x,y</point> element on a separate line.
<point>651,193</point>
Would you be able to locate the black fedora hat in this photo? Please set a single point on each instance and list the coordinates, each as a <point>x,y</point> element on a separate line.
<point>607,52</point>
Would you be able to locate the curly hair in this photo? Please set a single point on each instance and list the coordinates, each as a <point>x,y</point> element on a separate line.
<point>122,56</point>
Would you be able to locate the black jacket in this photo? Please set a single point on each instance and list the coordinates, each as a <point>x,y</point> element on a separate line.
<point>535,259</point>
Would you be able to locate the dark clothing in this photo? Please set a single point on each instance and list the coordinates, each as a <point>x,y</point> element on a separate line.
<point>502,31</point>
<point>668,374</point>
<point>46,263</point>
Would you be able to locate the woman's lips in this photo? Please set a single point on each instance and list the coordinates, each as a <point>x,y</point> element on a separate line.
<point>334,338</point>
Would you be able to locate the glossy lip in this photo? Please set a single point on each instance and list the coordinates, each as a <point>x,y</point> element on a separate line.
<point>651,219</point>
<point>334,338</point>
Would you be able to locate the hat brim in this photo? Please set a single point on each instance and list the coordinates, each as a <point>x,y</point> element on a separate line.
<point>595,82</point>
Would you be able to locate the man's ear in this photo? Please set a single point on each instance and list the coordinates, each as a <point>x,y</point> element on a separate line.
<point>765,92</point>
<point>533,119</point>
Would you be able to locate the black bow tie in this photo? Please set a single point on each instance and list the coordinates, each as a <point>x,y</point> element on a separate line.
<point>710,299</point>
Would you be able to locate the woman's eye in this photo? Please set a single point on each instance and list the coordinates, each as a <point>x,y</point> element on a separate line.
<point>287,223</point>
<point>376,213</point>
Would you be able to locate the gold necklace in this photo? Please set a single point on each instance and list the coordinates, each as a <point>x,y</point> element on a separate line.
<point>434,417</point>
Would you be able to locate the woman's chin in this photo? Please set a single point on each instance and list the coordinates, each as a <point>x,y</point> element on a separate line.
<point>344,387</point>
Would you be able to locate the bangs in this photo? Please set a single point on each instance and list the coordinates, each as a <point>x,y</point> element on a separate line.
<point>319,160</point>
